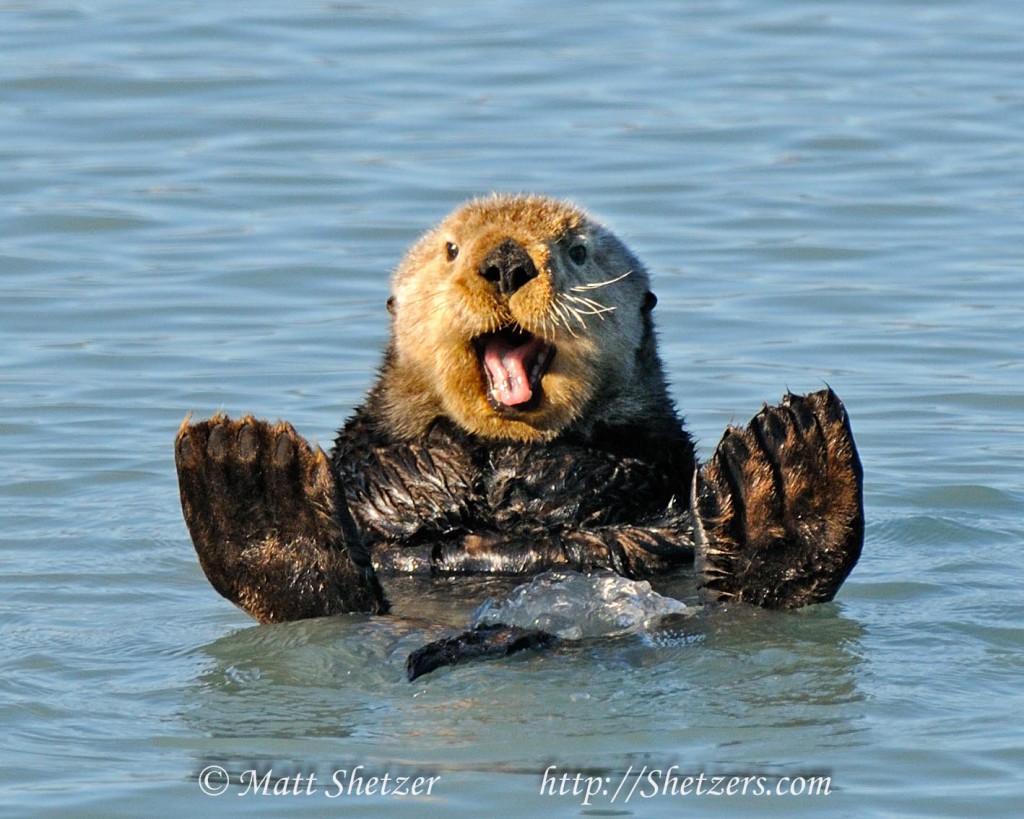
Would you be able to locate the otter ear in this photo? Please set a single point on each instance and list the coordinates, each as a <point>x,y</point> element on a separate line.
<point>649,301</point>
<point>391,305</point>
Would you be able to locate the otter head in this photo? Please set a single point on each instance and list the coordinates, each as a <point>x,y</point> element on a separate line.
<point>519,317</point>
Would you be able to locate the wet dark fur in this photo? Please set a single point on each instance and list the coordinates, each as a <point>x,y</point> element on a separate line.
<point>450,502</point>
<point>286,534</point>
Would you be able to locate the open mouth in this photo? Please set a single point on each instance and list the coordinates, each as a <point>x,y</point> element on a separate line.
<point>515,361</point>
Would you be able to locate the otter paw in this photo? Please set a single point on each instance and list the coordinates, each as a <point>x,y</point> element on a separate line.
<point>779,507</point>
<point>272,532</point>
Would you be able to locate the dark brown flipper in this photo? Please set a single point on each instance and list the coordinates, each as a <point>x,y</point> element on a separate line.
<point>485,641</point>
<point>272,532</point>
<point>780,509</point>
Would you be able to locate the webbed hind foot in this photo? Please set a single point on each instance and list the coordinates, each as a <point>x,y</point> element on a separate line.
<point>779,507</point>
<point>478,643</point>
<point>272,532</point>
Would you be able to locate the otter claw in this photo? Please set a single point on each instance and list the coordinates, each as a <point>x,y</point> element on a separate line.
<point>272,533</point>
<point>779,507</point>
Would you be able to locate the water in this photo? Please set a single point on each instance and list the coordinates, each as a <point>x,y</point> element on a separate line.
<point>199,207</point>
<point>576,606</point>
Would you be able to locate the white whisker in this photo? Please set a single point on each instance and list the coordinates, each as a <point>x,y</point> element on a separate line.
<point>564,311</point>
<point>581,288</point>
<point>594,308</point>
<point>573,311</point>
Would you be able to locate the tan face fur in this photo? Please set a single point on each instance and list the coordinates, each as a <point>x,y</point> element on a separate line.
<point>588,305</point>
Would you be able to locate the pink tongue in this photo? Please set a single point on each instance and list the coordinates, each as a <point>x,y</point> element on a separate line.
<point>508,366</point>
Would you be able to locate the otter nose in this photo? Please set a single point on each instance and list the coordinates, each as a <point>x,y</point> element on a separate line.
<point>509,266</point>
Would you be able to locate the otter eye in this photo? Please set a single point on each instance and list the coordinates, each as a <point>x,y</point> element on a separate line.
<point>578,253</point>
<point>451,250</point>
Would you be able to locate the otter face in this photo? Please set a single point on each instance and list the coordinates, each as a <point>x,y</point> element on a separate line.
<point>513,316</point>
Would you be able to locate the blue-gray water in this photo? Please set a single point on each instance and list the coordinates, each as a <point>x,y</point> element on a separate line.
<point>199,207</point>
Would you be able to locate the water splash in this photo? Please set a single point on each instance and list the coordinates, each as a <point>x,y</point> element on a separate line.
<point>576,606</point>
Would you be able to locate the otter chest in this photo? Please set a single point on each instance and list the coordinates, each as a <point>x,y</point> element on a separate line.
<point>429,495</point>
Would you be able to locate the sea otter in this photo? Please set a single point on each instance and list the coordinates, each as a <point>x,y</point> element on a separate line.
<point>520,422</point>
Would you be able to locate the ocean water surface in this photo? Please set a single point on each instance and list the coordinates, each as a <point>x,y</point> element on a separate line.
<point>200,207</point>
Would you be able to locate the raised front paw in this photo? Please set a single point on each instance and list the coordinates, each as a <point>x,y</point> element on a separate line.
<point>272,533</point>
<point>780,512</point>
